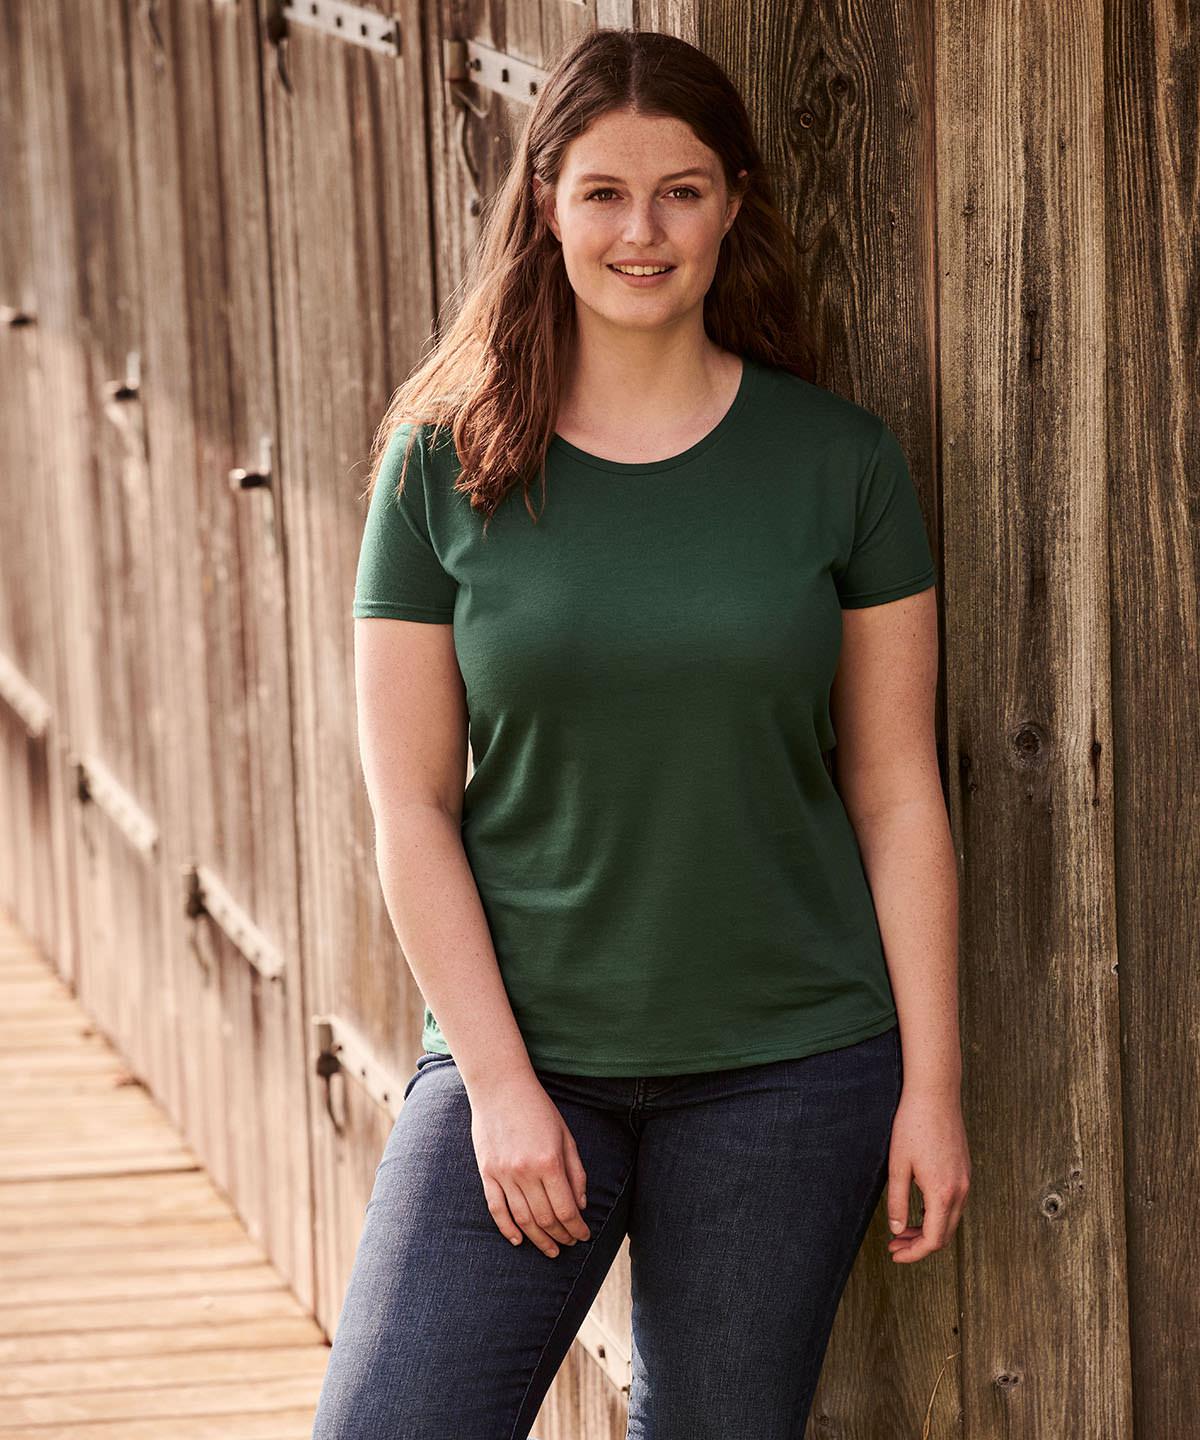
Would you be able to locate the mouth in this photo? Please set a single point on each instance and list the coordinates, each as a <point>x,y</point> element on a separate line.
<point>643,279</point>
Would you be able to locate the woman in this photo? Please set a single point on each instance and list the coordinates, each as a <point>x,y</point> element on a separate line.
<point>662,998</point>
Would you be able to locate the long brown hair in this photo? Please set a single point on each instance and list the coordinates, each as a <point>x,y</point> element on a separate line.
<point>493,378</point>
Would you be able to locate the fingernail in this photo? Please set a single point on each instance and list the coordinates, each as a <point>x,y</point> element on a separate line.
<point>895,1225</point>
<point>552,1253</point>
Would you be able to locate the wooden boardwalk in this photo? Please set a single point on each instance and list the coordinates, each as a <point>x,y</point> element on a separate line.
<point>136,1307</point>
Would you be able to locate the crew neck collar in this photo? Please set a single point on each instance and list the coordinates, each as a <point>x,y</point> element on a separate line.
<point>648,467</point>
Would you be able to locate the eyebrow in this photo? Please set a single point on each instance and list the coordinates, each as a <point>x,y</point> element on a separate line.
<point>678,175</point>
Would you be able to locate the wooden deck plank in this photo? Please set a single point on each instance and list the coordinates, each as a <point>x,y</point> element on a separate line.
<point>179,1195</point>
<point>119,1372</point>
<point>128,1256</point>
<point>136,1304</point>
<point>149,1340</point>
<point>118,1285</point>
<point>282,1425</point>
<point>166,1234</point>
<point>214,1397</point>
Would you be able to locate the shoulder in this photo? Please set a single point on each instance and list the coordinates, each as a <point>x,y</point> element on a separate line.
<point>828,425</point>
<point>433,462</point>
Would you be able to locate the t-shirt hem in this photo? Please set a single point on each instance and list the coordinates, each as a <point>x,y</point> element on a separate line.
<point>390,609</point>
<point>889,592</point>
<point>722,1060</point>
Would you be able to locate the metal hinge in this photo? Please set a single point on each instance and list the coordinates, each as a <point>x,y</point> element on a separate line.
<point>15,315</point>
<point>96,783</point>
<point>204,894</point>
<point>354,23</point>
<point>469,61</point>
<point>340,1047</point>
<point>260,479</point>
<point>21,697</point>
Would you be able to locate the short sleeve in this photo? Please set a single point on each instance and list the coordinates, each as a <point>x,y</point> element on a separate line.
<point>890,555</point>
<point>399,573</point>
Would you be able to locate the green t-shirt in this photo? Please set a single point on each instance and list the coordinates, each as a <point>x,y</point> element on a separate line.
<point>670,879</point>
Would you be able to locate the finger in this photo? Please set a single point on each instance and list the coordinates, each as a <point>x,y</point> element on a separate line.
<point>899,1190</point>
<point>931,1236</point>
<point>545,1212</point>
<point>936,1222</point>
<point>911,1246</point>
<point>522,1212</point>
<point>956,1211</point>
<point>498,1208</point>
<point>576,1174</point>
<point>558,1193</point>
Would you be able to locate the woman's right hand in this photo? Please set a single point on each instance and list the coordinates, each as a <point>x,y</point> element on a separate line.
<point>532,1175</point>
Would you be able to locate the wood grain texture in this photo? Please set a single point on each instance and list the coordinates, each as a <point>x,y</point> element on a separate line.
<point>351,274</point>
<point>998,216</point>
<point>1152,370</point>
<point>136,1303</point>
<point>1020,105</point>
<point>209,398</point>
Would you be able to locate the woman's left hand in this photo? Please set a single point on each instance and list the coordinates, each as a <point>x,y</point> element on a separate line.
<point>929,1145</point>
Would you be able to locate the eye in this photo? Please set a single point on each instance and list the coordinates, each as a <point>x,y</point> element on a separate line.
<point>675,189</point>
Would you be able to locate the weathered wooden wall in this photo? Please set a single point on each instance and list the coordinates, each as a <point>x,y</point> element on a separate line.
<point>225,238</point>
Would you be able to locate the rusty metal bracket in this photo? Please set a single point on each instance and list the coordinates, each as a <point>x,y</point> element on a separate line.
<point>204,894</point>
<point>23,699</point>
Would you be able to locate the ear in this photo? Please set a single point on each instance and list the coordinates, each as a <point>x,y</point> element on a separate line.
<point>735,204</point>
<point>544,198</point>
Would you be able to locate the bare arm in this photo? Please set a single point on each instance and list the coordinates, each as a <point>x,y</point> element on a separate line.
<point>887,774</point>
<point>882,708</point>
<point>412,732</point>
<point>412,723</point>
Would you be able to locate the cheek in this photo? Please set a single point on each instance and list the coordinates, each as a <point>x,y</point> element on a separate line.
<point>697,236</point>
<point>586,234</point>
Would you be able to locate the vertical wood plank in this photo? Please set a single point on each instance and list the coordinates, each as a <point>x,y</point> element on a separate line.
<point>352,279</point>
<point>1020,156</point>
<point>1152,364</point>
<point>32,787</point>
<point>86,277</point>
<point>209,390</point>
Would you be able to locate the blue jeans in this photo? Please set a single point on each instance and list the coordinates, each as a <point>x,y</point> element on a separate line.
<point>746,1194</point>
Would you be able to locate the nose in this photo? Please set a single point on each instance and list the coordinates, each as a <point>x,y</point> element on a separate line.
<point>642,226</point>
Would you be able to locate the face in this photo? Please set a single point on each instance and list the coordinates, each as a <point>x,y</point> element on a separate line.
<point>642,189</point>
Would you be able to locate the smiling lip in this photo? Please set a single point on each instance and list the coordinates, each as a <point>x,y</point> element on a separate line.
<point>654,263</point>
<point>641,282</point>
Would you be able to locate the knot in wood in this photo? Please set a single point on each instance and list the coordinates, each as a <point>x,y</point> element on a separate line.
<point>1031,746</point>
